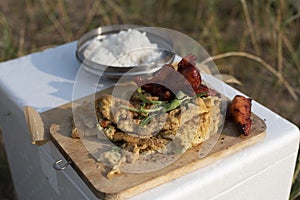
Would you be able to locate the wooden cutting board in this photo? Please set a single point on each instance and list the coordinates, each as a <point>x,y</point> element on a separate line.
<point>127,185</point>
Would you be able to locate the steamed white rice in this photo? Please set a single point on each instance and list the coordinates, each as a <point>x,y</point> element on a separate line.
<point>127,48</point>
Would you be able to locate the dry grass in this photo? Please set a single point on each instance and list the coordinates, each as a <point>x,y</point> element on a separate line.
<point>258,38</point>
<point>270,68</point>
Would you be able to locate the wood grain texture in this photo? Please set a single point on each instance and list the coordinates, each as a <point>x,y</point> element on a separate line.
<point>127,185</point>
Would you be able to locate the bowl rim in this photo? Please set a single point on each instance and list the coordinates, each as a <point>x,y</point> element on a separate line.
<point>113,29</point>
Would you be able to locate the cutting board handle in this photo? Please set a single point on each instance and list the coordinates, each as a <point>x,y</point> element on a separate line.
<point>35,126</point>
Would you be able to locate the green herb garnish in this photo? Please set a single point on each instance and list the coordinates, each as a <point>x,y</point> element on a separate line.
<point>162,106</point>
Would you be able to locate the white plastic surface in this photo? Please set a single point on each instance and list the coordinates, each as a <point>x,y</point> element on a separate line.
<point>45,80</point>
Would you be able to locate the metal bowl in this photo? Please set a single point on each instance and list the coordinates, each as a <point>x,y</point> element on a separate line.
<point>165,47</point>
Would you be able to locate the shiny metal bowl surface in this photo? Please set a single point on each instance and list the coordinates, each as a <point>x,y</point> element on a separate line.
<point>165,48</point>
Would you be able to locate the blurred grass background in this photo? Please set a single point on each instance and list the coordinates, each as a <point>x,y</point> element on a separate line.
<point>256,42</point>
